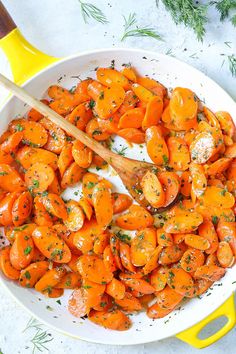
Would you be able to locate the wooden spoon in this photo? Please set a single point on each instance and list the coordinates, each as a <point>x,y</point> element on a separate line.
<point>130,171</point>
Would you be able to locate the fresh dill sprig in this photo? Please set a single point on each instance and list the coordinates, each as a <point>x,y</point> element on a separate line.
<point>91,11</point>
<point>33,323</point>
<point>131,31</point>
<point>121,151</point>
<point>224,7</point>
<point>191,15</point>
<point>39,340</point>
<point>232,64</point>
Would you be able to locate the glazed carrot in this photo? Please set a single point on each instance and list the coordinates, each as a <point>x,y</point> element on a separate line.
<point>133,135</point>
<point>168,298</point>
<point>51,246</point>
<point>55,187</point>
<point>74,216</point>
<point>120,202</point>
<point>192,259</point>
<point>219,166</point>
<point>153,190</point>
<point>77,304</point>
<point>100,243</point>
<point>12,142</point>
<point>179,157</point>
<point>54,293</point>
<point>152,261</point>
<point>115,250</point>
<point>125,257</point>
<point>225,255</point>
<point>133,118</point>
<point>34,133</point>
<point>93,129</point>
<point>109,101</point>
<point>35,115</point>
<point>199,181</point>
<point>67,236</point>
<point>171,186</point>
<point>72,175</point>
<point>65,158</point>
<point>209,272</point>
<point>212,259</point>
<point>98,162</point>
<point>115,319</point>
<point>41,216</point>
<point>159,278</point>
<point>183,108</point>
<point>101,199</point>
<point>163,238</point>
<point>142,246</point>
<point>10,179</point>
<point>154,86</point>
<point>37,255</point>
<point>80,116</point>
<point>156,145</point>
<point>21,208</point>
<point>202,285</point>
<point>137,284</point>
<point>226,231</point>
<point>6,205</point>
<point>136,218</point>
<point>50,279</point>
<point>109,126</point>
<point>84,238</point>
<point>73,263</point>
<point>207,230</point>
<point>105,304</point>
<point>129,303</point>
<point>218,197</point>
<point>69,281</point>
<point>184,223</point>
<point>5,158</point>
<point>109,77</point>
<point>172,254</point>
<point>130,102</point>
<point>93,292</point>
<point>82,154</point>
<point>54,205</point>
<point>56,136</point>
<point>153,112</point>
<point>93,269</point>
<point>230,152</point>
<point>226,123</point>
<point>155,311</point>
<point>38,177</point>
<point>196,241</point>
<point>86,207</point>
<point>180,281</point>
<point>5,265</point>
<point>81,90</point>
<point>94,89</point>
<point>31,274</point>
<point>212,119</point>
<point>142,93</point>
<point>115,289</point>
<point>129,72</point>
<point>28,156</point>
<point>109,260</point>
<point>202,148</point>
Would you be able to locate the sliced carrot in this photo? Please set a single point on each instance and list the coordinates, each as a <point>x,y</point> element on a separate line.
<point>130,102</point>
<point>120,202</point>
<point>34,133</point>
<point>69,281</point>
<point>93,292</point>
<point>100,243</point>
<point>199,180</point>
<point>230,152</point>
<point>86,207</point>
<point>133,118</point>
<point>212,119</point>
<point>81,90</point>
<point>135,219</point>
<point>10,179</point>
<point>21,208</point>
<point>225,255</point>
<point>143,94</point>
<point>5,265</point>
<point>82,155</point>
<point>99,162</point>
<point>51,245</point>
<point>12,142</point>
<point>196,241</point>
<point>80,116</point>
<point>159,278</point>
<point>28,156</point>
<point>142,246</point>
<point>192,259</point>
<point>34,115</point>
<point>6,205</point>
<point>202,285</point>
<point>129,72</point>
<point>109,260</point>
<point>154,86</point>
<point>115,250</point>
<point>129,303</point>
<point>226,231</point>
<point>217,197</point>
<point>65,158</point>
<point>50,279</point>
<point>209,272</point>
<point>41,216</point>
<point>115,319</point>
<point>172,254</point>
<point>109,126</point>
<point>84,238</point>
<point>207,230</point>
<point>105,304</point>
<point>133,135</point>
<point>156,145</point>
<point>137,284</point>
<point>54,205</point>
<point>95,88</point>
<point>54,293</point>
<point>93,129</point>
<point>155,311</point>
<point>179,157</point>
<point>31,274</point>
<point>38,177</point>
<point>5,158</point>
<point>109,101</point>
<point>73,263</point>
<point>168,298</point>
<point>72,175</point>
<point>101,199</point>
<point>55,187</point>
<point>75,216</point>
<point>163,238</point>
<point>153,190</point>
<point>109,77</point>
<point>153,112</point>
<point>115,289</point>
<point>183,223</point>
<point>226,123</point>
<point>152,261</point>
<point>203,147</point>
<point>125,257</point>
<point>93,269</point>
<point>77,304</point>
<point>171,186</point>
<point>56,136</point>
<point>219,166</point>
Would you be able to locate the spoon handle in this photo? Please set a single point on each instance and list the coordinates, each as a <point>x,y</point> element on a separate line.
<point>109,156</point>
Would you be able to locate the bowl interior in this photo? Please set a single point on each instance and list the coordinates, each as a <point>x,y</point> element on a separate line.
<point>171,73</point>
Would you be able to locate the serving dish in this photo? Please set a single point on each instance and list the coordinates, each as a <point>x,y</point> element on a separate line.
<point>36,71</point>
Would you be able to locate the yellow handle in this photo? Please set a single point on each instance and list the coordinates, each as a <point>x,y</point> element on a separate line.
<point>25,60</point>
<point>190,335</point>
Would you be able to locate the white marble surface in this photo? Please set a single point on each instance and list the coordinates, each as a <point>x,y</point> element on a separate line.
<point>56,27</point>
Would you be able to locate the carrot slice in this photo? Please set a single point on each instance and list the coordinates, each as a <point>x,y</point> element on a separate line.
<point>95,89</point>
<point>80,116</point>
<point>12,142</point>
<point>212,119</point>
<point>34,115</point>
<point>168,298</point>
<point>28,156</point>
<point>56,136</point>
<point>192,259</point>
<point>116,289</point>
<point>159,278</point>
<point>129,102</point>
<point>153,190</point>
<point>226,231</point>
<point>143,94</point>
<point>115,249</point>
<point>34,133</point>
<point>207,230</point>
<point>110,125</point>
<point>72,175</point>
<point>86,207</point>
<point>21,208</point>
<point>199,181</point>
<point>5,158</point>
<point>82,155</point>
<point>183,223</point>
<point>178,154</point>
<point>209,272</point>
<point>69,281</point>
<point>120,202</point>
<point>31,274</point>
<point>65,158</point>
<point>54,205</point>
<point>109,77</point>
<point>115,319</point>
<point>75,216</point>
<point>155,311</point>
<point>51,246</point>
<point>172,254</point>
<point>100,243</point>
<point>171,186</point>
<point>153,112</point>
<point>137,284</point>
<point>226,123</point>
<point>203,147</point>
<point>129,72</point>
<point>93,292</point>
<point>133,135</point>
<point>50,279</point>
<point>225,255</point>
<point>93,129</point>
<point>163,238</point>
<point>156,145</point>
<point>101,199</point>
<point>5,265</point>
<point>6,205</point>
<point>133,118</point>
<point>152,261</point>
<point>10,179</point>
<point>219,166</point>
<point>135,219</point>
<point>125,257</point>
<point>196,241</point>
<point>217,197</point>
<point>142,246</point>
<point>152,85</point>
<point>77,304</point>
<point>93,269</point>
<point>84,238</point>
<point>41,216</point>
<point>109,260</point>
<point>109,101</point>
<point>129,303</point>
<point>39,177</point>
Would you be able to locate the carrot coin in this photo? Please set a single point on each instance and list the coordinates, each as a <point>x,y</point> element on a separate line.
<point>93,269</point>
<point>38,177</point>
<point>75,216</point>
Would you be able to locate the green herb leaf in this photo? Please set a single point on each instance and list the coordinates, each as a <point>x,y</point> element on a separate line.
<point>120,151</point>
<point>224,7</point>
<point>27,250</point>
<point>91,11</point>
